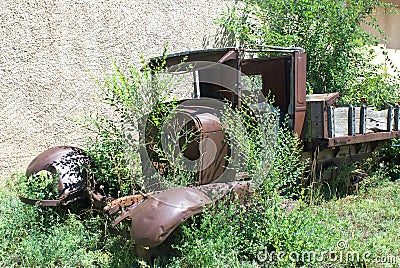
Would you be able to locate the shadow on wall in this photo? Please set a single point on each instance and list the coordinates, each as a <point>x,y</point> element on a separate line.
<point>389,22</point>
<point>222,38</point>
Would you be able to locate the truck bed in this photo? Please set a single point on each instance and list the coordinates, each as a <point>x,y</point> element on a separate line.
<point>327,125</point>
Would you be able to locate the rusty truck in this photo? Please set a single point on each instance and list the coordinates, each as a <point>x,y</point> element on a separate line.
<point>328,132</point>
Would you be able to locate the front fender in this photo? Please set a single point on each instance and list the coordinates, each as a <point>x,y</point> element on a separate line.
<point>155,218</point>
<point>70,165</point>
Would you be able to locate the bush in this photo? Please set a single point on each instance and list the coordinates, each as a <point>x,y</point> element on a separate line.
<point>337,46</point>
<point>353,231</point>
<point>141,100</point>
<point>110,166</point>
<point>231,235</point>
<point>390,159</point>
<point>32,236</point>
<point>40,186</point>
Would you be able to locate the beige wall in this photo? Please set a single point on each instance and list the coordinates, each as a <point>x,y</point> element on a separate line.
<point>50,49</point>
<point>390,24</point>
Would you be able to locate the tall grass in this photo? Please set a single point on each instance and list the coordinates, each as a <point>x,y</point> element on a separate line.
<point>32,236</point>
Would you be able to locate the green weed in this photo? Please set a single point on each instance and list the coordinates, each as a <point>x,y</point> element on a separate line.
<point>338,47</point>
<point>32,236</point>
<point>40,186</point>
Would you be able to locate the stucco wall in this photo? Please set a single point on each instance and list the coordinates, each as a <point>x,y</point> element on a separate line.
<point>50,49</point>
<point>389,22</point>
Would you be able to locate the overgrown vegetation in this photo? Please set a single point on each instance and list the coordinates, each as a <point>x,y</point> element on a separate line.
<point>268,234</point>
<point>286,224</point>
<point>272,231</point>
<point>339,49</point>
<point>42,185</point>
<point>390,156</point>
<point>142,104</point>
<point>228,235</point>
<point>32,236</point>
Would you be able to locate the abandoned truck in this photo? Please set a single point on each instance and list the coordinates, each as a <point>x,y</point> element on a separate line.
<point>336,133</point>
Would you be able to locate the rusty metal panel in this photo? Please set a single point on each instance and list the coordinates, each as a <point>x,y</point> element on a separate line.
<point>212,139</point>
<point>201,139</point>
<point>219,83</point>
<point>214,55</point>
<point>285,78</point>
<point>275,78</point>
<point>212,170</point>
<point>300,92</point>
<point>153,220</point>
<point>70,165</point>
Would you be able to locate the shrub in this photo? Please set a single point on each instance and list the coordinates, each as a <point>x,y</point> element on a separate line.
<point>33,236</point>
<point>40,186</point>
<point>235,235</point>
<point>390,159</point>
<point>231,235</point>
<point>268,151</point>
<point>338,47</point>
<point>110,166</point>
<point>141,100</point>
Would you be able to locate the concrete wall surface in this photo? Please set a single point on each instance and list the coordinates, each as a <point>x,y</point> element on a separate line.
<point>389,22</point>
<point>49,51</point>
